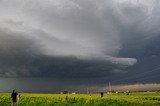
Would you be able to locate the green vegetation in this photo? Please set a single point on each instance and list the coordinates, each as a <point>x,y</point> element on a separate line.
<point>120,99</point>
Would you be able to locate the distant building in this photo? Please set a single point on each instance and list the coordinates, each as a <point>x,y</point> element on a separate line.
<point>110,92</point>
<point>73,92</point>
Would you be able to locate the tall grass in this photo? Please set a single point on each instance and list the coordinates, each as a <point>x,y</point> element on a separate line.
<point>133,99</point>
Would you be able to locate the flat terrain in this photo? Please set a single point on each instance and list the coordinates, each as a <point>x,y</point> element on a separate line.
<point>120,99</point>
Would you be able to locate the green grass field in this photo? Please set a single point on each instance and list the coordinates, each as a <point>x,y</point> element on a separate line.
<point>121,99</point>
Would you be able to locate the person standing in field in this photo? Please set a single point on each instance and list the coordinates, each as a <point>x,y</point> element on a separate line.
<point>101,94</point>
<point>14,98</point>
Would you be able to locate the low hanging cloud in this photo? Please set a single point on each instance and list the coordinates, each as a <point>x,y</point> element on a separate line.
<point>73,38</point>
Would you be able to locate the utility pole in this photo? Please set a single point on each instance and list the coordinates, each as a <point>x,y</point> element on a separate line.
<point>110,88</point>
<point>87,91</point>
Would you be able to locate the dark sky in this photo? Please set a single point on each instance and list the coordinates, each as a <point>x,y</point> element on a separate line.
<point>51,45</point>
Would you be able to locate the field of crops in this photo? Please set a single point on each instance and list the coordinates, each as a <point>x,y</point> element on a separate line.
<point>121,99</point>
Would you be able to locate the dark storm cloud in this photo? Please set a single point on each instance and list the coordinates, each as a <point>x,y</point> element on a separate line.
<point>21,57</point>
<point>75,38</point>
<point>59,38</point>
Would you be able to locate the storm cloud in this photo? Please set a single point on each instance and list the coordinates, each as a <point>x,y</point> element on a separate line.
<point>77,38</point>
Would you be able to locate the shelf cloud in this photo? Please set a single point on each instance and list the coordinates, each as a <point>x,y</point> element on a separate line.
<point>75,38</point>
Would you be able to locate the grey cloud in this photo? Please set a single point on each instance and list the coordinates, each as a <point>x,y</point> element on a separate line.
<point>73,38</point>
<point>22,57</point>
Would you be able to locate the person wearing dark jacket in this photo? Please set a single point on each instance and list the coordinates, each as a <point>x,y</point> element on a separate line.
<point>101,94</point>
<point>14,98</point>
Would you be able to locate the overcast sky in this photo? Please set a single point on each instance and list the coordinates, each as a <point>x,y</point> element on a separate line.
<point>48,43</point>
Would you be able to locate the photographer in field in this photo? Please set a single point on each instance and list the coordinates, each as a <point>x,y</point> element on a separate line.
<point>14,98</point>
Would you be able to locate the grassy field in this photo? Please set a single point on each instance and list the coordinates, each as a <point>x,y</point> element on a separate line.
<point>121,99</point>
